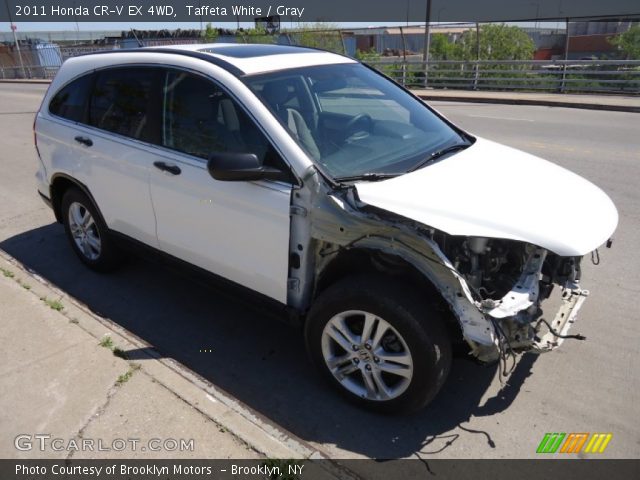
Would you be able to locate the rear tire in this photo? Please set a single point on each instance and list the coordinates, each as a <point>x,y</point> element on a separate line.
<point>87,232</point>
<point>379,343</point>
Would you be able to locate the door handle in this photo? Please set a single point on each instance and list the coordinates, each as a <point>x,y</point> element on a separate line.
<point>172,169</point>
<point>84,140</point>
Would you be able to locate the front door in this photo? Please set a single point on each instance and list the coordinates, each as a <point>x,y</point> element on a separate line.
<point>238,230</point>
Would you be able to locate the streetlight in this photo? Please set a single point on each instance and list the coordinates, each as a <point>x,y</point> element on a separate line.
<point>15,38</point>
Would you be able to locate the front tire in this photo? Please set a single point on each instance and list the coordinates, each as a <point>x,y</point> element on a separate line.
<point>379,343</point>
<point>87,233</point>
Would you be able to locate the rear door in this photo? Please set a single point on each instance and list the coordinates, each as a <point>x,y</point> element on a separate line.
<point>238,230</point>
<point>122,126</point>
<point>99,129</point>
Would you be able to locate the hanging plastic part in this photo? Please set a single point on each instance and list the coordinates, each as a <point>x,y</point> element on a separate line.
<point>595,257</point>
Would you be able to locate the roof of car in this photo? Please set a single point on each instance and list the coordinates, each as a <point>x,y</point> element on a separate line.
<point>256,58</point>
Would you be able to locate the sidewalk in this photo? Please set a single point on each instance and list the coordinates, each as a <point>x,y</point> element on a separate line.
<point>620,103</point>
<point>62,373</point>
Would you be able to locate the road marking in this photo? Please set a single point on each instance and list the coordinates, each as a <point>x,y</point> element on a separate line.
<point>501,118</point>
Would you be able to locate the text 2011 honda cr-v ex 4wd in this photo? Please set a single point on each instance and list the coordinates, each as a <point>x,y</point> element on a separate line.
<point>317,182</point>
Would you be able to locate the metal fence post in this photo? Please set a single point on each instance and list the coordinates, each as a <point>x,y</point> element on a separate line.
<point>477,63</point>
<point>566,57</point>
<point>404,57</point>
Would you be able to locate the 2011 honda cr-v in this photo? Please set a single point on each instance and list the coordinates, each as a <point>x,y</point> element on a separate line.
<point>319,183</point>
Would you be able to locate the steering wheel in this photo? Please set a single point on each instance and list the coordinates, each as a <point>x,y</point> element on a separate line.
<point>349,128</point>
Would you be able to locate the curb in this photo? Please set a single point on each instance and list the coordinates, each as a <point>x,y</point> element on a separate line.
<point>530,101</point>
<point>43,81</point>
<point>264,437</point>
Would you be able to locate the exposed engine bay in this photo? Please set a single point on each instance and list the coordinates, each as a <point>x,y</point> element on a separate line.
<point>510,280</point>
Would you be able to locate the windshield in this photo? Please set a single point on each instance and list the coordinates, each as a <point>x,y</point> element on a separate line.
<point>354,122</point>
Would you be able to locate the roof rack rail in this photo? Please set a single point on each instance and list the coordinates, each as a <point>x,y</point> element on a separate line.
<point>187,53</point>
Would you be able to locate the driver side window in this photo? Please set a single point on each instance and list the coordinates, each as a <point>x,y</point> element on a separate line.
<point>199,118</point>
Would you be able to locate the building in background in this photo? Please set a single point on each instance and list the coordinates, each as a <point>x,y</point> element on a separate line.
<point>591,39</point>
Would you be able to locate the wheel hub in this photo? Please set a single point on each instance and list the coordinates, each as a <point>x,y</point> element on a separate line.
<point>354,352</point>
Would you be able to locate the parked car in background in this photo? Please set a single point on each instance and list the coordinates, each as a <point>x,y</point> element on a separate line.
<point>318,183</point>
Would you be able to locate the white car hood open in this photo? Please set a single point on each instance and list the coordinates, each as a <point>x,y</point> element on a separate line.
<point>490,190</point>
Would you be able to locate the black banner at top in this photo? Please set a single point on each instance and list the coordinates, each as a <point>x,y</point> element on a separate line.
<point>310,11</point>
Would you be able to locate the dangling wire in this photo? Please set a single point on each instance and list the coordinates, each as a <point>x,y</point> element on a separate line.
<point>505,351</point>
<point>595,257</point>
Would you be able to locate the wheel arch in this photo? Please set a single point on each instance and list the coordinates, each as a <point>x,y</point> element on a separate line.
<point>364,260</point>
<point>60,184</point>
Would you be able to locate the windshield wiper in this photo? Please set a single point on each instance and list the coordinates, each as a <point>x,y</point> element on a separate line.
<point>439,153</point>
<point>369,176</point>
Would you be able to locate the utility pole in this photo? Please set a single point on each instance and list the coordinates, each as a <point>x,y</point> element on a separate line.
<point>15,39</point>
<point>427,42</point>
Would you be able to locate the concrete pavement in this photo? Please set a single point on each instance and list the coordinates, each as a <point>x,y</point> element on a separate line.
<point>67,375</point>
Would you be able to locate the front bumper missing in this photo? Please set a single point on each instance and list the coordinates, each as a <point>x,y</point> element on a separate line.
<point>572,300</point>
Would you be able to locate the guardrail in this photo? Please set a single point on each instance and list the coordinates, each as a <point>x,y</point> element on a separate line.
<point>598,76</point>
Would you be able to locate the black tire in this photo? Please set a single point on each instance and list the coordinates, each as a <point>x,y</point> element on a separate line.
<point>109,256</point>
<point>409,313</point>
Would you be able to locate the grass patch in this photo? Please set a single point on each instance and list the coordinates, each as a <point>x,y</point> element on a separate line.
<point>7,273</point>
<point>125,377</point>
<point>53,304</point>
<point>106,342</point>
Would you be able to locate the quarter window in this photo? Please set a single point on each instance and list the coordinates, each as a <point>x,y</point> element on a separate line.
<point>71,101</point>
<point>120,102</point>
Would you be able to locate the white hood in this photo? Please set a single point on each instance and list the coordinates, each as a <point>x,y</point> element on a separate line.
<point>489,190</point>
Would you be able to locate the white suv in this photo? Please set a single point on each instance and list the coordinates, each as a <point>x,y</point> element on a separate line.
<point>322,185</point>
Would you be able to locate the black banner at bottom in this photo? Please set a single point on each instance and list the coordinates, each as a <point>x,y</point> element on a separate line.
<point>582,469</point>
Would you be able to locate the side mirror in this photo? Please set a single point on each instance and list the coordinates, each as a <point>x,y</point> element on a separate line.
<point>241,167</point>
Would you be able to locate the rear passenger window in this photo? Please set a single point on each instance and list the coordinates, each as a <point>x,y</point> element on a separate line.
<point>71,101</point>
<point>120,102</point>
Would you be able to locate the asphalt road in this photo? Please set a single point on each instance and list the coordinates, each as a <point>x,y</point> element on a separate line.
<point>589,386</point>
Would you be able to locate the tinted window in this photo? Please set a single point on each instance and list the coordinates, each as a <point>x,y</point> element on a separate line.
<point>71,101</point>
<point>200,118</point>
<point>120,102</point>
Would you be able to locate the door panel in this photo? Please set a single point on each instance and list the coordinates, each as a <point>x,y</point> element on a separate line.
<point>238,230</point>
<point>116,171</point>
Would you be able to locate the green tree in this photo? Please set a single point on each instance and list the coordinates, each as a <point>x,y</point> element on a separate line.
<point>628,43</point>
<point>210,33</point>
<point>497,42</point>
<point>319,35</point>
<point>255,35</point>
<point>442,48</point>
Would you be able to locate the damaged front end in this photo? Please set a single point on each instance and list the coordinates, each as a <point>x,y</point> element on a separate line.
<point>493,287</point>
<point>508,281</point>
